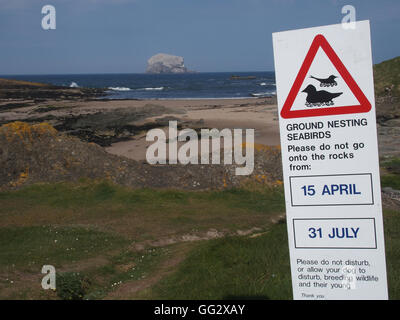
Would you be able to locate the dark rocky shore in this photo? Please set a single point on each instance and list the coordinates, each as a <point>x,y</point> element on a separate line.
<point>24,90</point>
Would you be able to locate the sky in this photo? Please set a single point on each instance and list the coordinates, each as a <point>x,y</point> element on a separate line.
<point>119,36</point>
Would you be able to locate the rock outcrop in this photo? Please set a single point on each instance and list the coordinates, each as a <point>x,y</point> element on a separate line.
<point>17,89</point>
<point>166,63</point>
<point>38,153</point>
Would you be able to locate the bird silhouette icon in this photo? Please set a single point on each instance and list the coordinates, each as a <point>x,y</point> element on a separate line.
<point>319,98</point>
<point>328,82</point>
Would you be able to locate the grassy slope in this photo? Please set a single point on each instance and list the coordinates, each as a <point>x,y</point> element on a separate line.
<point>84,220</point>
<point>91,227</point>
<point>32,247</point>
<point>386,74</point>
<point>259,268</point>
<point>232,268</point>
<point>255,268</point>
<point>138,214</point>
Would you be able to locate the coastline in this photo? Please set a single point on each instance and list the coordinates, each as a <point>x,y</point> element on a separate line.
<point>65,134</point>
<point>120,125</point>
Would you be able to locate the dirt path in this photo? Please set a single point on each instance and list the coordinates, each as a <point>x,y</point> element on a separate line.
<point>131,289</point>
<point>182,245</point>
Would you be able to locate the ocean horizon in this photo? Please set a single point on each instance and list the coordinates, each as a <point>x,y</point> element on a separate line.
<point>199,85</point>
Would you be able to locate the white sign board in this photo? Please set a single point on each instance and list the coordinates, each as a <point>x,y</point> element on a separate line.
<point>330,162</point>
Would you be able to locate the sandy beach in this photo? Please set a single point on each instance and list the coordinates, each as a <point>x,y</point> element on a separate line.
<point>133,118</point>
<point>219,114</point>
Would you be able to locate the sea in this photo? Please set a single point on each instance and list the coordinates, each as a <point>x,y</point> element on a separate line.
<point>204,85</point>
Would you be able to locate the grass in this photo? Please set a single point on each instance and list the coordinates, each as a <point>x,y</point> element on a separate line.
<point>255,268</point>
<point>139,214</point>
<point>232,268</point>
<point>392,176</point>
<point>90,228</point>
<point>65,195</point>
<point>123,267</point>
<point>391,180</point>
<point>392,165</point>
<point>392,247</point>
<point>386,74</point>
<point>35,246</point>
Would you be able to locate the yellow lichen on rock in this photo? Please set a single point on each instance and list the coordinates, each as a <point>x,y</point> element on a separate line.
<point>260,147</point>
<point>44,128</point>
<point>23,130</point>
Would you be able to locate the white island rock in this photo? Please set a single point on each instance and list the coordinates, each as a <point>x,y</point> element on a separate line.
<point>166,63</point>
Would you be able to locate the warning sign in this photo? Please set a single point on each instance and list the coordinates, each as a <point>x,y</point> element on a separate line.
<point>330,162</point>
<point>317,100</point>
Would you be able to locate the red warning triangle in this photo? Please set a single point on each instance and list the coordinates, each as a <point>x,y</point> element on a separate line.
<point>320,42</point>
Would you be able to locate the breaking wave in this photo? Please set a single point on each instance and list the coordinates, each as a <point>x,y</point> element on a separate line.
<point>263,94</point>
<point>119,89</point>
<point>149,89</point>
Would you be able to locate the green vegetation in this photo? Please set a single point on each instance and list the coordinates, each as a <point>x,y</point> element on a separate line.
<point>255,268</point>
<point>72,286</point>
<point>391,176</point>
<point>88,193</point>
<point>232,268</point>
<point>391,180</point>
<point>387,75</point>
<point>392,165</point>
<point>124,267</point>
<point>392,247</point>
<point>141,214</point>
<point>32,247</point>
<point>98,237</point>
<point>94,227</point>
